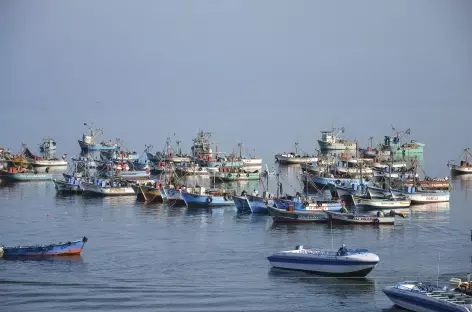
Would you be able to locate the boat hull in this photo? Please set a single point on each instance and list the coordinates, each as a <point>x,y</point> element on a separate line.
<point>348,218</point>
<point>60,249</point>
<point>172,195</point>
<point>456,169</point>
<point>228,177</point>
<point>62,186</point>
<point>281,159</point>
<point>25,177</point>
<point>425,198</point>
<point>96,147</point>
<point>326,146</point>
<point>419,302</point>
<point>94,189</point>
<point>151,193</point>
<point>250,203</point>
<point>209,201</point>
<point>284,216</point>
<point>329,265</point>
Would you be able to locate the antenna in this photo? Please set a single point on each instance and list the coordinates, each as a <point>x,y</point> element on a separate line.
<point>437,277</point>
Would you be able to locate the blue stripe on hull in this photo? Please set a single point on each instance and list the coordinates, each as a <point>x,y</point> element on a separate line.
<point>197,200</point>
<point>423,302</point>
<point>305,260</point>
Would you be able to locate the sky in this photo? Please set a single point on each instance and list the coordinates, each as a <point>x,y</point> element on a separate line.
<point>267,73</point>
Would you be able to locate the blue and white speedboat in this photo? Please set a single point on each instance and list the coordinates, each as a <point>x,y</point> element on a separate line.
<point>342,262</point>
<point>415,296</point>
<point>252,203</point>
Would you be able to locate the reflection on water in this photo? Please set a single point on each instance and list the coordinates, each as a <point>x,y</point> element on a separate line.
<point>431,207</point>
<point>336,286</point>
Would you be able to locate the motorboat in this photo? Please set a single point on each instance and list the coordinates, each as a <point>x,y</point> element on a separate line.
<point>342,262</point>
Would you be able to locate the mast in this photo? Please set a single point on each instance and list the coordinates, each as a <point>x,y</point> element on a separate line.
<point>240,145</point>
<point>178,147</point>
<point>278,182</point>
<point>296,148</point>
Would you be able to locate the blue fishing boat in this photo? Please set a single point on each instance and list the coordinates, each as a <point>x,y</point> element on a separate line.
<point>59,249</point>
<point>252,203</point>
<point>324,181</point>
<point>88,142</point>
<point>207,198</point>
<point>297,216</point>
<point>26,176</point>
<point>300,203</point>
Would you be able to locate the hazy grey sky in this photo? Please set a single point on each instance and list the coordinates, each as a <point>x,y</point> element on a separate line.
<point>265,72</point>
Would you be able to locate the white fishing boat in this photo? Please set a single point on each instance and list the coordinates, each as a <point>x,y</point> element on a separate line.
<point>465,167</point>
<point>416,296</point>
<point>330,141</point>
<point>369,203</point>
<point>252,164</point>
<point>194,170</point>
<point>71,185</point>
<point>107,187</point>
<point>295,158</point>
<point>351,167</point>
<point>342,262</point>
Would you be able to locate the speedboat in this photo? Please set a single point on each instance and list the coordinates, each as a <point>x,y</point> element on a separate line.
<point>342,262</point>
<point>415,296</point>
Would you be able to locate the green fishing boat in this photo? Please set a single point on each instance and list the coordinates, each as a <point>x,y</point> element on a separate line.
<point>238,176</point>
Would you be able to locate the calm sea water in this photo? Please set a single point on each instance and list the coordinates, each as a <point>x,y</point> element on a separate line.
<point>152,257</point>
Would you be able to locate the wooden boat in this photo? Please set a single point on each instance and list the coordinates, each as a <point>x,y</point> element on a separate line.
<point>465,166</point>
<point>59,249</point>
<point>297,216</point>
<point>151,193</point>
<point>23,175</point>
<point>371,218</point>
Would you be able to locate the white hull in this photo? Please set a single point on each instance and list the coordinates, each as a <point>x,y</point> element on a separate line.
<point>49,163</point>
<point>336,146</point>
<point>382,204</point>
<point>340,169</point>
<point>360,219</point>
<point>252,168</point>
<point>327,269</point>
<point>461,170</point>
<point>295,160</point>
<point>420,198</point>
<point>257,162</point>
<point>195,171</point>
<point>106,191</point>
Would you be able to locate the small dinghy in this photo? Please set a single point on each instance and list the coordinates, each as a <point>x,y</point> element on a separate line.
<point>59,249</point>
<point>342,262</point>
<point>364,218</point>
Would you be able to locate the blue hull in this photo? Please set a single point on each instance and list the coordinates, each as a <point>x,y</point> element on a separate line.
<point>95,147</point>
<point>336,181</point>
<point>197,200</point>
<point>250,203</point>
<point>298,205</point>
<point>60,249</point>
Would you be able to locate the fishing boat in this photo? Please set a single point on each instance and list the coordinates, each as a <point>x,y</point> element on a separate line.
<point>252,163</point>
<point>173,195</point>
<point>151,193</point>
<point>238,175</point>
<point>202,197</point>
<point>23,175</point>
<point>295,158</point>
<point>331,141</point>
<point>296,216</point>
<point>416,296</point>
<point>393,145</point>
<point>107,187</point>
<point>363,218</point>
<point>369,203</point>
<point>252,203</point>
<point>465,166</point>
<point>71,185</point>
<point>311,168</point>
<point>59,249</point>
<point>47,161</point>
<point>89,141</point>
<point>306,203</point>
<point>350,167</point>
<point>341,262</point>
<point>48,144</point>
